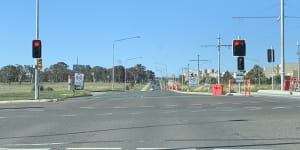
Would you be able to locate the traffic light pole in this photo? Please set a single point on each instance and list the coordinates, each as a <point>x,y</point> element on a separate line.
<point>37,74</point>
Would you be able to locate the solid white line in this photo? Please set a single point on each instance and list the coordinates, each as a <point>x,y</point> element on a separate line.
<point>95,148</point>
<point>37,144</point>
<point>24,148</point>
<point>149,148</point>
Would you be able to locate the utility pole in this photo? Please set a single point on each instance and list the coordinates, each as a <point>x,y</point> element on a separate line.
<point>282,45</point>
<point>298,54</point>
<point>198,60</point>
<point>219,45</point>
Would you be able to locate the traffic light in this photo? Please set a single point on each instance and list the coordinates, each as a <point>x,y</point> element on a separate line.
<point>239,47</point>
<point>241,63</point>
<point>36,49</point>
<point>40,63</point>
<point>270,54</point>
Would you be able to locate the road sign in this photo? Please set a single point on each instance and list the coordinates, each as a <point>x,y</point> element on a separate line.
<point>79,81</point>
<point>239,78</point>
<point>193,81</point>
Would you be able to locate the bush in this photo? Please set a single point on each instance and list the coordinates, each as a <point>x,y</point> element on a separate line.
<point>41,88</point>
<point>49,89</point>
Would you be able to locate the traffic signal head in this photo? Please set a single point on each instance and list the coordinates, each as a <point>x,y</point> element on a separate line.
<point>36,49</point>
<point>40,63</point>
<point>241,63</point>
<point>270,54</point>
<point>239,48</point>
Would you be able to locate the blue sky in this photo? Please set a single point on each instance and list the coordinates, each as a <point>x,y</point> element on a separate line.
<point>172,32</point>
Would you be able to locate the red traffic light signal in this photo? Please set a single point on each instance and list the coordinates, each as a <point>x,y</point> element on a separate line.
<point>239,48</point>
<point>36,49</point>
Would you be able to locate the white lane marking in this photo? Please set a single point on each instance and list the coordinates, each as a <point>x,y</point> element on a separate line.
<point>135,113</point>
<point>3,117</point>
<point>279,107</point>
<point>36,110</point>
<point>119,107</point>
<point>37,144</point>
<point>95,148</point>
<point>149,148</point>
<point>167,112</point>
<point>146,106</point>
<point>172,105</point>
<point>298,106</point>
<point>236,103</point>
<point>104,114</point>
<point>87,107</point>
<point>71,115</point>
<point>196,111</point>
<point>253,108</point>
<point>240,149</point>
<point>220,103</point>
<point>24,149</point>
<point>196,104</point>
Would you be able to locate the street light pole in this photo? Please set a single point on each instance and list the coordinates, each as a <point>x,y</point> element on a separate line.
<point>113,69</point>
<point>125,69</point>
<point>282,45</point>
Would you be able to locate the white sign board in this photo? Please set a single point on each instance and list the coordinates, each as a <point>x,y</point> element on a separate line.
<point>239,78</point>
<point>79,81</point>
<point>193,81</point>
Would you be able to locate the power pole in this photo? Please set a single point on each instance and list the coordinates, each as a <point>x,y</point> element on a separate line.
<point>198,60</point>
<point>298,54</point>
<point>219,45</point>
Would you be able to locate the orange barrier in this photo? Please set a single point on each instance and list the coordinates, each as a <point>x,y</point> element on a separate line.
<point>229,86</point>
<point>217,89</point>
<point>247,87</point>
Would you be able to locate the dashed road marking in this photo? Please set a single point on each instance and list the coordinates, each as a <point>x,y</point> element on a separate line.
<point>236,103</point>
<point>196,111</point>
<point>168,112</point>
<point>119,107</point>
<point>196,104</point>
<point>70,115</point>
<point>38,110</point>
<point>135,113</point>
<point>87,107</point>
<point>3,117</point>
<point>253,108</point>
<point>104,114</point>
<point>146,106</point>
<point>279,107</point>
<point>36,144</point>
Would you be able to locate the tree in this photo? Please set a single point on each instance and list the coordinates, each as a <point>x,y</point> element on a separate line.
<point>256,75</point>
<point>226,77</point>
<point>59,72</point>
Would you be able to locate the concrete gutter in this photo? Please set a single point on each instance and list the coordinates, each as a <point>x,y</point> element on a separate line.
<point>277,92</point>
<point>28,101</point>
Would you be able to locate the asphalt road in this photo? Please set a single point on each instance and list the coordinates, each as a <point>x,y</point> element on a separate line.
<point>153,120</point>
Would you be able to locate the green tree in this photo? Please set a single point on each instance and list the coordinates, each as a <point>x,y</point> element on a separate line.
<point>226,77</point>
<point>256,75</point>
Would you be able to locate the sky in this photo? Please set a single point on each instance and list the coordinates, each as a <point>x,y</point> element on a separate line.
<point>172,32</point>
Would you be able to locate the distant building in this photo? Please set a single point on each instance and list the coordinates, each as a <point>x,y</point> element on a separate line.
<point>291,70</point>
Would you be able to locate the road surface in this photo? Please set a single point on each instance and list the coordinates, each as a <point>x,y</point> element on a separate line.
<point>153,120</point>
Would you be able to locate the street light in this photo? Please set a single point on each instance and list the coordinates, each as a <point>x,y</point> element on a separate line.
<point>113,70</point>
<point>125,69</point>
